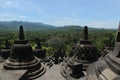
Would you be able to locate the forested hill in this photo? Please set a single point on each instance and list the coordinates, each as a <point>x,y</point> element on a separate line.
<point>36,26</point>
<point>67,35</point>
<point>30,26</point>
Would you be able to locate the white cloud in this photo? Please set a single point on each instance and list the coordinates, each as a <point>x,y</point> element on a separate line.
<point>11,16</point>
<point>14,4</point>
<point>8,3</point>
<point>24,6</point>
<point>7,16</point>
<point>102,24</point>
<point>11,4</point>
<point>66,21</point>
<point>95,24</point>
<point>22,17</point>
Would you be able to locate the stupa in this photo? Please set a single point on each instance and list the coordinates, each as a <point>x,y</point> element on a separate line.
<point>5,52</point>
<point>80,57</point>
<point>22,58</point>
<point>107,68</point>
<point>38,51</point>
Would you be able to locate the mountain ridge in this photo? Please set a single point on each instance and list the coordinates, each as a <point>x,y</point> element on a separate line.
<point>14,25</point>
<point>35,26</point>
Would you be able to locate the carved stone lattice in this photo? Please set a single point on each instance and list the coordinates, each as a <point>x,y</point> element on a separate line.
<point>80,55</point>
<point>108,67</point>
<point>39,52</point>
<point>5,52</point>
<point>22,58</point>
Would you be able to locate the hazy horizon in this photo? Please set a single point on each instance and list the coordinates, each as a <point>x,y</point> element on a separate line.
<point>96,14</point>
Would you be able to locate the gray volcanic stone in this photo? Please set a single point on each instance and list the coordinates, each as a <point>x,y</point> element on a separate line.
<point>107,68</point>
<point>22,58</point>
<point>80,57</point>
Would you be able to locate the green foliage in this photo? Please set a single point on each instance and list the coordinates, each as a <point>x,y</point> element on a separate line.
<point>62,37</point>
<point>49,51</point>
<point>56,43</point>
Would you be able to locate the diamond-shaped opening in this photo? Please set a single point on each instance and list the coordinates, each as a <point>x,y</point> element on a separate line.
<point>118,37</point>
<point>118,55</point>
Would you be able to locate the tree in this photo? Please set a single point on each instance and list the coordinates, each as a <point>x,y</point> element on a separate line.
<point>56,43</point>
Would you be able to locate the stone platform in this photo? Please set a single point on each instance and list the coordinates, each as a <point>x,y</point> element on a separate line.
<point>52,73</point>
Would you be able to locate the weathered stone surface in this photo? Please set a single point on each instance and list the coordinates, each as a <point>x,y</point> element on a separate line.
<point>52,74</point>
<point>38,51</point>
<point>85,53</point>
<point>12,75</point>
<point>5,52</point>
<point>107,68</point>
<point>22,65</point>
<point>22,58</point>
<point>105,51</point>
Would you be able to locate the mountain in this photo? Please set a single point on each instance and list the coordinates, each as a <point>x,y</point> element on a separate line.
<point>37,26</point>
<point>30,26</point>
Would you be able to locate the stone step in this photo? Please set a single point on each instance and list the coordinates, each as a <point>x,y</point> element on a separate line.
<point>37,74</point>
<point>17,65</point>
<point>113,64</point>
<point>109,74</point>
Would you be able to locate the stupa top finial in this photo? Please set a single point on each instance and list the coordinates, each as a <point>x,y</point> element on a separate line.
<point>7,44</point>
<point>38,43</point>
<point>21,33</point>
<point>85,33</point>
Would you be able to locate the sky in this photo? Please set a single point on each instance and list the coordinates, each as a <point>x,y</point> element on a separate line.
<point>93,13</point>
